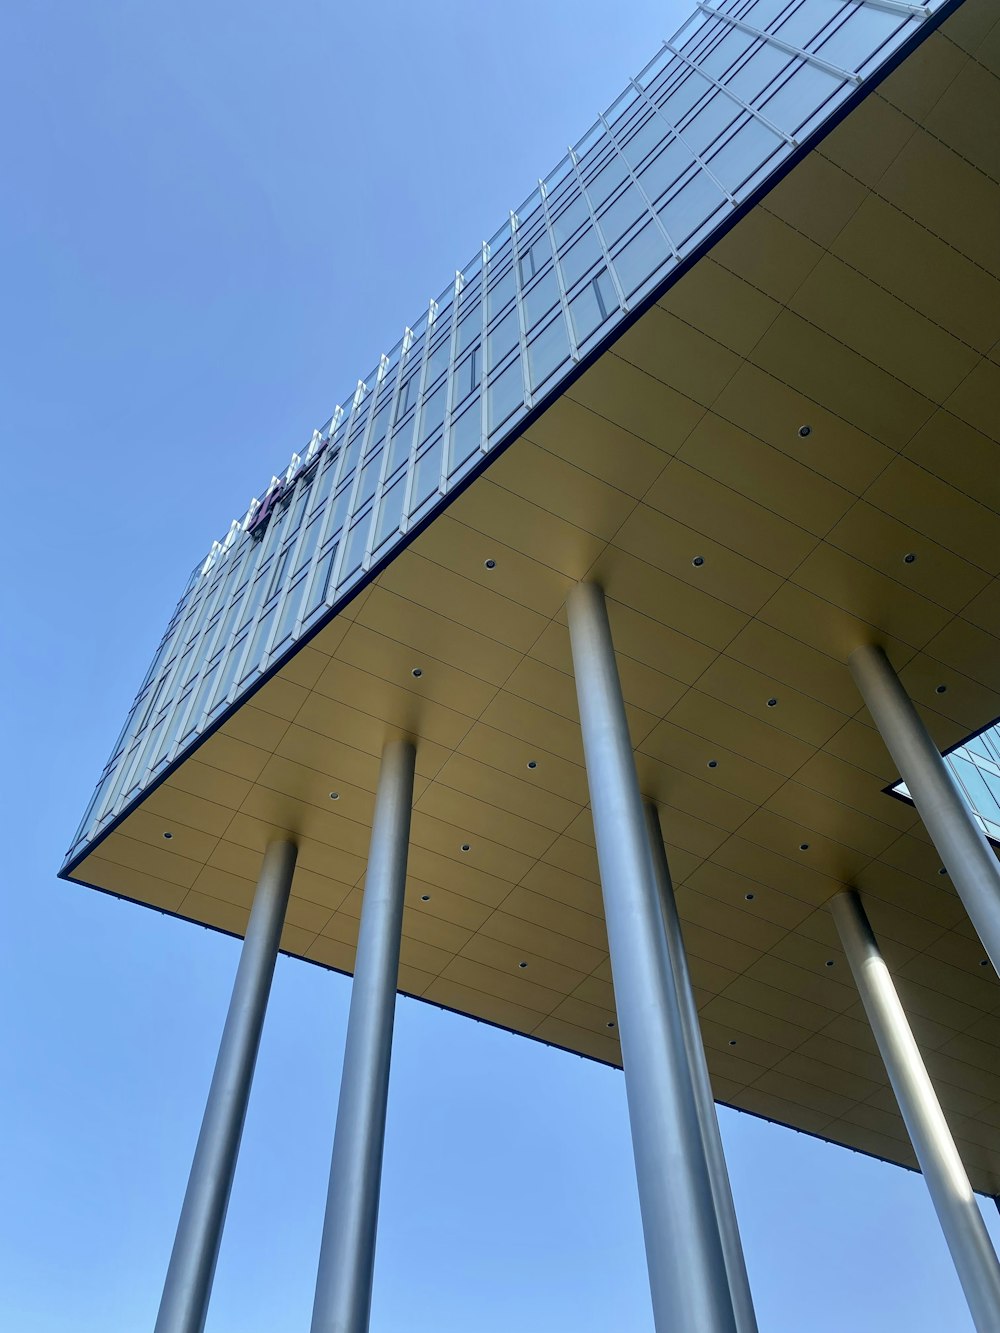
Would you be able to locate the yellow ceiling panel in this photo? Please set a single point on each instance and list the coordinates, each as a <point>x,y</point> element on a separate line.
<point>853,302</point>
<point>597,446</point>
<point>771,408</point>
<point>926,179</point>
<point>671,547</point>
<point>725,307</point>
<point>733,772</point>
<point>439,636</point>
<point>522,580</point>
<point>773,478</point>
<point>858,312</point>
<point>697,366</point>
<point>709,506</point>
<point>841,380</point>
<point>891,249</point>
<point>555,542</point>
<point>767,252</point>
<point>864,144</point>
<point>882,542</point>
<point>817,199</point>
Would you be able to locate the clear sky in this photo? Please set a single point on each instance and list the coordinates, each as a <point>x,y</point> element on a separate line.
<point>216,217</point>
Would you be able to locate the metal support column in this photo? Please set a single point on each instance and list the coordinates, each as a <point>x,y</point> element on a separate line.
<point>725,1210</point>
<point>188,1286</point>
<point>688,1280</point>
<point>961,844</point>
<point>951,1193</point>
<point>347,1252</point>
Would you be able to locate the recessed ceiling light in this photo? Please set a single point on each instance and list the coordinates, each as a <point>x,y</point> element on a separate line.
<point>732,1041</point>
<point>909,558</point>
<point>489,564</point>
<point>803,846</point>
<point>829,962</point>
<point>335,796</point>
<point>698,561</point>
<point>466,847</point>
<point>749,897</point>
<point>941,689</point>
<point>610,1023</point>
<point>532,763</point>
<point>417,672</point>
<point>522,964</point>
<point>942,871</point>
<point>984,962</point>
<point>805,430</point>
<point>772,703</point>
<point>168,836</point>
<point>425,897</point>
<point>713,763</point>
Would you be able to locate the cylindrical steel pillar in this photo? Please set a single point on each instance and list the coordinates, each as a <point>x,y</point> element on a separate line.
<point>725,1210</point>
<point>347,1252</point>
<point>960,842</point>
<point>188,1286</point>
<point>687,1269</point>
<point>951,1193</point>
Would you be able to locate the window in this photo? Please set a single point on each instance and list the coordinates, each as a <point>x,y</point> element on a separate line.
<point>592,306</point>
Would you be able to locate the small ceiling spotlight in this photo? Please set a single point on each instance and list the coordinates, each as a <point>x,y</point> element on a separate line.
<point>425,897</point>
<point>335,796</point>
<point>749,897</point>
<point>732,1041</point>
<point>772,703</point>
<point>417,672</point>
<point>466,847</point>
<point>805,430</point>
<point>610,1023</point>
<point>168,836</point>
<point>489,564</point>
<point>909,557</point>
<point>803,846</point>
<point>698,561</point>
<point>942,871</point>
<point>532,763</point>
<point>984,962</point>
<point>713,763</point>
<point>829,962</point>
<point>940,689</point>
<point>522,963</point>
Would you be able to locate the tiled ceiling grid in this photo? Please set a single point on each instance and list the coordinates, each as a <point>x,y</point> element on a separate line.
<point>830,306</point>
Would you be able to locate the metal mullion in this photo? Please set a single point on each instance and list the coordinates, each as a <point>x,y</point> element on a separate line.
<point>293,553</point>
<point>204,658</point>
<point>522,330</point>
<point>838,73</point>
<point>899,7</point>
<point>168,682</point>
<point>635,181</point>
<point>622,299</point>
<point>393,402</point>
<point>563,302</point>
<point>484,435</point>
<point>327,520</point>
<point>338,563</point>
<point>418,409</point>
<point>449,391</point>
<point>251,628</point>
<point>669,46</point>
<point>681,140</point>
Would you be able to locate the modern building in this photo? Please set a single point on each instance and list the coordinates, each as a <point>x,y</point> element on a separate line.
<point>675,520</point>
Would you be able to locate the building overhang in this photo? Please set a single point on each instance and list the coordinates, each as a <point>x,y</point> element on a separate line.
<point>746,472</point>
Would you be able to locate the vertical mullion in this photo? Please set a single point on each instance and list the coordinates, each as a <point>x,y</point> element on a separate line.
<point>522,332</point>
<point>432,309</point>
<point>393,401</point>
<point>449,392</point>
<point>563,303</point>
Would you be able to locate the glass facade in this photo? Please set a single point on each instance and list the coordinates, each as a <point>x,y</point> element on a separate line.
<point>976,765</point>
<point>713,116</point>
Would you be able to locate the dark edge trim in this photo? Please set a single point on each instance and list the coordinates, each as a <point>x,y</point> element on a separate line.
<point>515,1032</point>
<point>855,99</point>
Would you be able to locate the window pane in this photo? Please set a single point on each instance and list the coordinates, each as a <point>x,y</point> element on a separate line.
<point>505,395</point>
<point>546,351</point>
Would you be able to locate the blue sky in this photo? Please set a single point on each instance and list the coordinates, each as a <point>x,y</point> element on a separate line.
<point>217,216</point>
